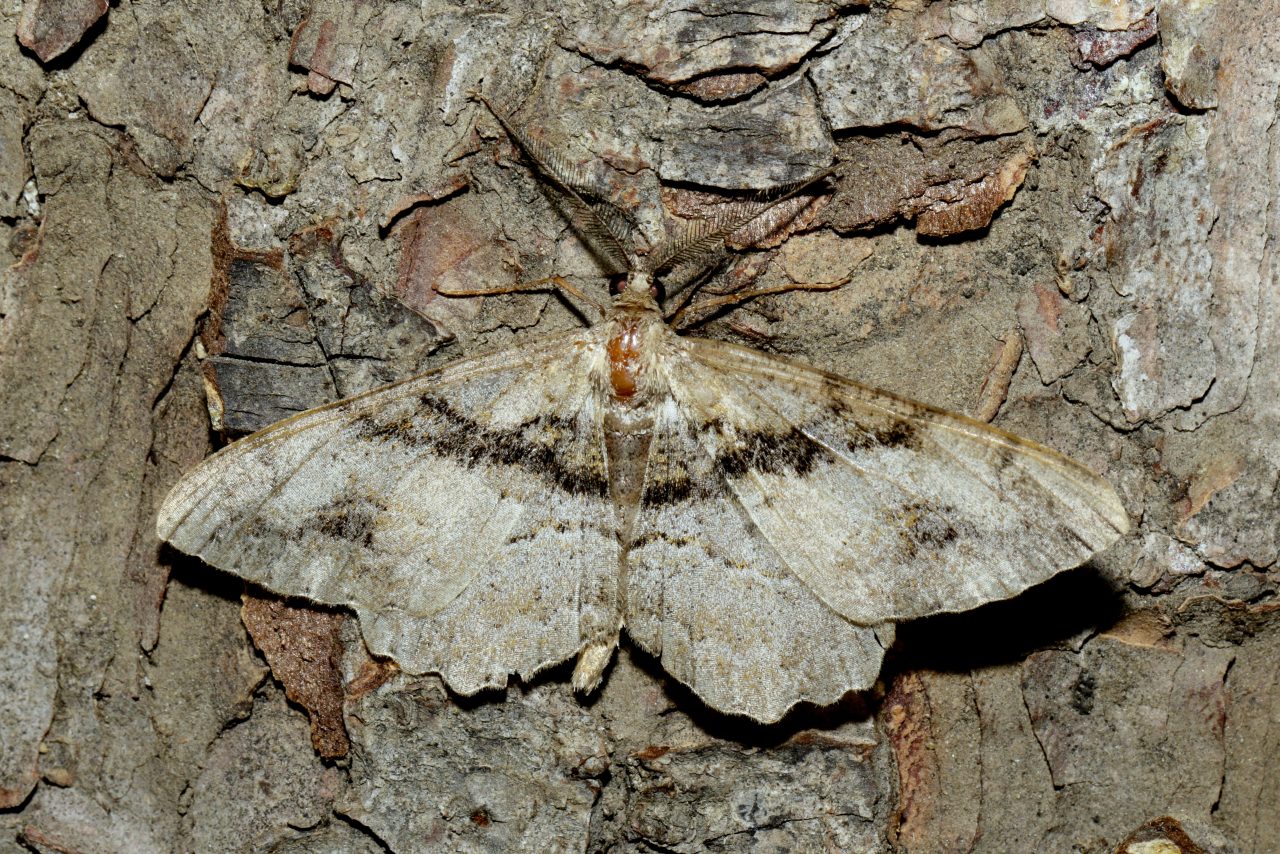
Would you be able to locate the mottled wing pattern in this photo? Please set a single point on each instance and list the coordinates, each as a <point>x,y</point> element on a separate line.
<point>885,508</point>
<point>463,514</point>
<point>717,603</point>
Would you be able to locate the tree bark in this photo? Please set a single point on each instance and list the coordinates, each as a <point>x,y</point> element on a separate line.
<point>1057,215</point>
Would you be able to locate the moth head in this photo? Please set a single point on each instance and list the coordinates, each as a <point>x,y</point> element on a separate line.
<point>639,282</point>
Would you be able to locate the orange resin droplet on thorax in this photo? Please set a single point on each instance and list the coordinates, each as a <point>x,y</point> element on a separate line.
<point>624,360</point>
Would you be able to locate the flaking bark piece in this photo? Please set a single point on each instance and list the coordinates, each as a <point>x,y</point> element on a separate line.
<point>302,646</point>
<point>970,207</point>
<point>327,47</point>
<point>946,185</point>
<point>49,28</point>
<point>716,88</point>
<point>1099,48</point>
<point>264,363</point>
<point>450,246</point>
<point>1165,833</point>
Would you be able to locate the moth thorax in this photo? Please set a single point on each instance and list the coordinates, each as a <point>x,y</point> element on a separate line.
<point>624,358</point>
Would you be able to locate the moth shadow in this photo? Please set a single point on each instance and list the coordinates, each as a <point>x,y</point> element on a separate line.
<point>1008,631</point>
<point>557,674</point>
<point>853,707</point>
<point>195,573</point>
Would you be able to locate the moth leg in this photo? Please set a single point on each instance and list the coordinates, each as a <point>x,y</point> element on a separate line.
<point>545,284</point>
<point>697,312</point>
<point>746,330</point>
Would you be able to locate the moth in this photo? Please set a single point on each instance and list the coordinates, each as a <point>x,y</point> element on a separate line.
<point>755,524</point>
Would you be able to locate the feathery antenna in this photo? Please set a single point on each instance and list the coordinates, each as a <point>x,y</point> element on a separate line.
<point>701,243</point>
<point>602,225</point>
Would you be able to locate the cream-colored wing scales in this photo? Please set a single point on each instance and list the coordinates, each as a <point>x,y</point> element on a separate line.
<point>887,509</point>
<point>463,514</point>
<point>718,605</point>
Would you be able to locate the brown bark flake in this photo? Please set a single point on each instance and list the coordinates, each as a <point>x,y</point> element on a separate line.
<point>302,646</point>
<point>49,28</point>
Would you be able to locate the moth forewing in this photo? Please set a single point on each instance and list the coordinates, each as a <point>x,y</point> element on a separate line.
<point>889,509</point>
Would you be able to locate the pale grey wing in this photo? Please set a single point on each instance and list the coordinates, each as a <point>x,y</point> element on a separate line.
<point>716,602</point>
<point>887,509</point>
<point>462,514</point>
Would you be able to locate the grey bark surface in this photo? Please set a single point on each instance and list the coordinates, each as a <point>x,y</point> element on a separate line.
<point>1060,214</point>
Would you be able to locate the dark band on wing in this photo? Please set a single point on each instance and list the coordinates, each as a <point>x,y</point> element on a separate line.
<point>673,489</point>
<point>794,452</point>
<point>898,434</point>
<point>926,527</point>
<point>894,433</point>
<point>539,446</point>
<point>349,517</point>
<point>677,470</point>
<point>679,486</point>
<point>787,452</point>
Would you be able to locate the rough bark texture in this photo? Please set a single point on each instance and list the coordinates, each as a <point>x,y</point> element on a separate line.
<point>1057,212</point>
